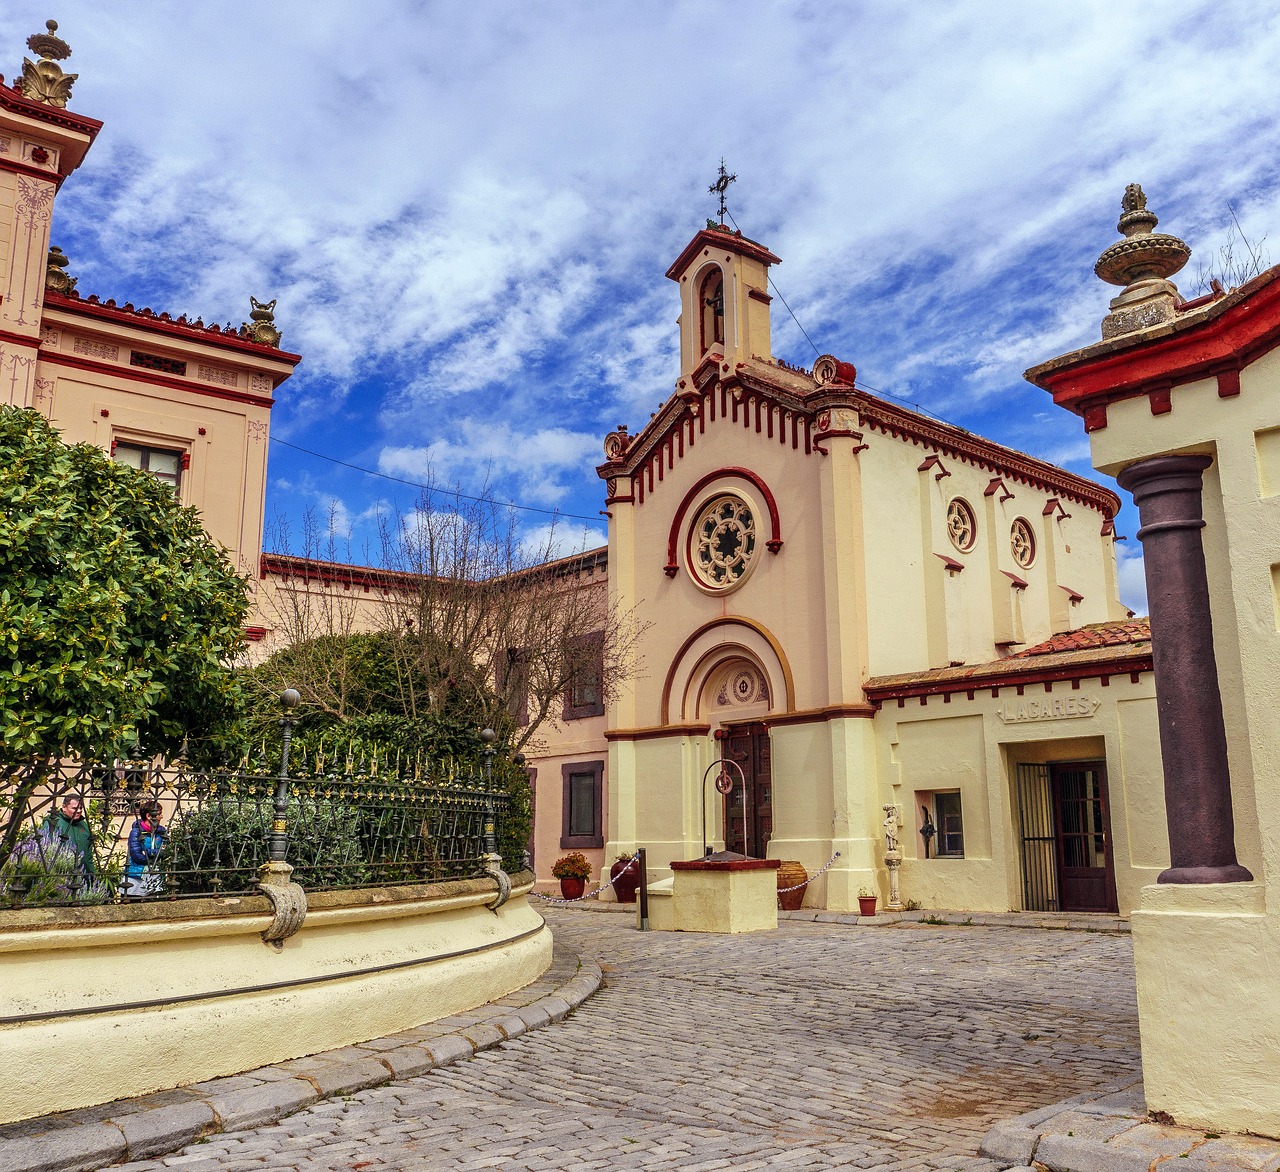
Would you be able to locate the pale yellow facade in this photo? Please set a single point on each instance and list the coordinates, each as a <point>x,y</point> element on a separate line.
<point>149,997</point>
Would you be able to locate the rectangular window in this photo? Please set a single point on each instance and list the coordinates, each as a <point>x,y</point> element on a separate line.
<point>585,694</point>
<point>166,466</point>
<point>582,827</point>
<point>950,825</point>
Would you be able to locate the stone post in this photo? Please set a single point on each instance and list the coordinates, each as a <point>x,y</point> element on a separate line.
<point>1193,738</point>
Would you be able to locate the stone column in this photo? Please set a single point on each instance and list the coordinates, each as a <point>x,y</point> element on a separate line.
<point>1193,738</point>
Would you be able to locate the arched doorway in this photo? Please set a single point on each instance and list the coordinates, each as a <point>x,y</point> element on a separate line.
<point>738,697</point>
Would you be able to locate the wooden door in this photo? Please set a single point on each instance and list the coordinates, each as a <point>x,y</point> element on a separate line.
<point>748,830</point>
<point>1086,872</point>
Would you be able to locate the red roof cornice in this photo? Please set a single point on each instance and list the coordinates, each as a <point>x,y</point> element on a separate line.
<point>715,238</point>
<point>756,381</point>
<point>212,335</point>
<point>1214,341</point>
<point>16,103</point>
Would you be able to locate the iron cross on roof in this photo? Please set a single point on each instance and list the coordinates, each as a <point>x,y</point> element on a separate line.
<point>720,187</point>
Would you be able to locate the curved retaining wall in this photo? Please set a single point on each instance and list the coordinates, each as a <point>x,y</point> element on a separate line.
<point>98,1004</point>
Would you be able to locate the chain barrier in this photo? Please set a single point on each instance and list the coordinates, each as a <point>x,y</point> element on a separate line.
<point>825,867</point>
<point>635,861</point>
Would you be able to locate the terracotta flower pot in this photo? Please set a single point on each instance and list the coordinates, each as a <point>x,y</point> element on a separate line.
<point>867,905</point>
<point>625,877</point>
<point>572,888</point>
<point>791,873</point>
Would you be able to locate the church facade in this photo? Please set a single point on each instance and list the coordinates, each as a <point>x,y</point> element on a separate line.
<point>894,631</point>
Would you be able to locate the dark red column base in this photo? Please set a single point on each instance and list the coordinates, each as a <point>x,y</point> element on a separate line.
<point>1231,873</point>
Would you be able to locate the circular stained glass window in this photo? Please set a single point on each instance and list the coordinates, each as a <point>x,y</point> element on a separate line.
<point>723,542</point>
<point>1023,543</point>
<point>961,526</point>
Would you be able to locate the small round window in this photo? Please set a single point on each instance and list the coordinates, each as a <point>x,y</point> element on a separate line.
<point>722,544</point>
<point>961,526</point>
<point>1023,543</point>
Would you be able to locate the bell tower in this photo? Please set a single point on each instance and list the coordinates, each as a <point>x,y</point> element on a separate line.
<point>724,297</point>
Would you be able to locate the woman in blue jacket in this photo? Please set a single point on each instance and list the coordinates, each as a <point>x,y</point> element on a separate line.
<point>142,877</point>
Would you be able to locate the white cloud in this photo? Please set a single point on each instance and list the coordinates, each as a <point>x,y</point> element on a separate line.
<point>466,210</point>
<point>1133,579</point>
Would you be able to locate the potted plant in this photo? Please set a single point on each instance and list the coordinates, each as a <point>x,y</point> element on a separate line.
<point>573,871</point>
<point>625,877</point>
<point>866,901</point>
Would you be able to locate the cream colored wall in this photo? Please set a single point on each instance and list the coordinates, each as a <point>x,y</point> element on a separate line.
<point>966,745</point>
<point>923,615</point>
<point>1207,957</point>
<point>575,742</point>
<point>439,948</point>
<point>227,475</point>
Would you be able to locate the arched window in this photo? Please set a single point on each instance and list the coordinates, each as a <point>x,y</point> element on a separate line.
<point>711,297</point>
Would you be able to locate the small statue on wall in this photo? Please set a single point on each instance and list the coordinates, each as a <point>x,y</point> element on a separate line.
<point>263,330</point>
<point>55,275</point>
<point>891,826</point>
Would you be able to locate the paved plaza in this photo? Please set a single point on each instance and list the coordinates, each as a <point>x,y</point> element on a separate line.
<point>816,1046</point>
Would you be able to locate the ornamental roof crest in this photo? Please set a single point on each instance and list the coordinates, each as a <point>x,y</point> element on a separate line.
<point>43,81</point>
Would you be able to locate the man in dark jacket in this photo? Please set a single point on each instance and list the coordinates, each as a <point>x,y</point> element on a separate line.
<point>68,826</point>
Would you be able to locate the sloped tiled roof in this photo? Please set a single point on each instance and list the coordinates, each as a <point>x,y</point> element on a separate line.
<point>1113,634</point>
<point>1100,649</point>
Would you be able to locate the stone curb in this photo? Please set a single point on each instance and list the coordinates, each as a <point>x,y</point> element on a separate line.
<point>1108,1130</point>
<point>140,1131</point>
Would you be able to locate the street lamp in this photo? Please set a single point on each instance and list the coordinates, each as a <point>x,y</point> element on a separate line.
<point>488,736</point>
<point>279,840</point>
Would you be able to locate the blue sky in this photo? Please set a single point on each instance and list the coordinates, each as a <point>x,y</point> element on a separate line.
<point>466,210</point>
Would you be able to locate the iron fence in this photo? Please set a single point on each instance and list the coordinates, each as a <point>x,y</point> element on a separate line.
<point>66,830</point>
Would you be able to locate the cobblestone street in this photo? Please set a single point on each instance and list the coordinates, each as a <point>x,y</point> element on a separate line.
<point>818,1046</point>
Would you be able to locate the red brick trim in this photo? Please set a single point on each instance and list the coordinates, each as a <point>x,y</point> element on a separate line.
<point>313,570</point>
<point>1132,665</point>
<point>16,103</point>
<point>255,634</point>
<point>773,545</point>
<point>714,239</point>
<point>34,172</point>
<point>30,341</point>
<point>209,336</point>
<point>1214,343</point>
<point>136,374</point>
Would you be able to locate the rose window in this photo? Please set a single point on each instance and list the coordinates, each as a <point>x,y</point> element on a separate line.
<point>1023,543</point>
<point>961,526</point>
<point>724,541</point>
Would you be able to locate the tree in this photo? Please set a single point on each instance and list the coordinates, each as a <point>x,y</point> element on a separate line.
<point>1237,260</point>
<point>473,617</point>
<point>119,616</point>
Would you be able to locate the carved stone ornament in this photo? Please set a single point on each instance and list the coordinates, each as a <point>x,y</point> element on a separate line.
<point>616,443</point>
<point>43,81</point>
<point>261,327</point>
<point>1142,255</point>
<point>288,900</point>
<point>829,370</point>
<point>493,868</point>
<point>55,277</point>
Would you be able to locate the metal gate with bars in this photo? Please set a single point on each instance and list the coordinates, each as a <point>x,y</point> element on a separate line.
<point>1039,842</point>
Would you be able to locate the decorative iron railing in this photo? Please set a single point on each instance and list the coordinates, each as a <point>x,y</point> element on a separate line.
<point>65,830</point>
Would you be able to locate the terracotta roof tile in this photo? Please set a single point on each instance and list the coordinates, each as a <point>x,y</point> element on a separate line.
<point>1113,634</point>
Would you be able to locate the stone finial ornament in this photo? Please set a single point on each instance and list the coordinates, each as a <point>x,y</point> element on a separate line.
<point>43,81</point>
<point>263,330</point>
<point>1142,262</point>
<point>55,276</point>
